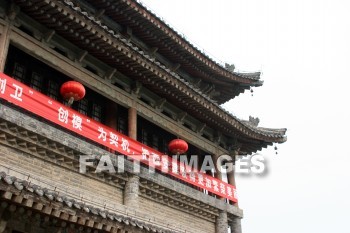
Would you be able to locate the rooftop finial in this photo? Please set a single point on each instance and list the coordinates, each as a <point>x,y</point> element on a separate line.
<point>254,120</point>
<point>229,67</point>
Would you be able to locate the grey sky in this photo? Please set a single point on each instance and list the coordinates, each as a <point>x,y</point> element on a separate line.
<point>302,48</point>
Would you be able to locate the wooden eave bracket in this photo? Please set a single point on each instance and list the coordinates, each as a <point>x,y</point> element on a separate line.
<point>136,88</point>
<point>99,13</point>
<point>181,116</point>
<point>80,57</point>
<point>201,128</point>
<point>160,103</point>
<point>175,67</point>
<point>13,11</point>
<point>152,51</point>
<point>109,74</point>
<point>48,35</point>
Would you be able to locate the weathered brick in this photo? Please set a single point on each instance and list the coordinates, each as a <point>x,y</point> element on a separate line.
<point>177,217</point>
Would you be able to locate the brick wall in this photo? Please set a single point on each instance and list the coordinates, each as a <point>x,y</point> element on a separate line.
<point>56,174</point>
<point>176,217</point>
<point>52,175</point>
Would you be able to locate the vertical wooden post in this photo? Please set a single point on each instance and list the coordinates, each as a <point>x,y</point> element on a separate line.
<point>131,190</point>
<point>231,175</point>
<point>12,12</point>
<point>218,174</point>
<point>132,123</point>
<point>4,45</point>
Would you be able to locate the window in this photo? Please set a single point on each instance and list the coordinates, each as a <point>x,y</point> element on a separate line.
<point>96,113</point>
<point>122,125</point>
<point>83,106</point>
<point>155,141</point>
<point>53,89</point>
<point>43,78</point>
<point>37,81</point>
<point>164,145</point>
<point>144,137</point>
<point>19,72</point>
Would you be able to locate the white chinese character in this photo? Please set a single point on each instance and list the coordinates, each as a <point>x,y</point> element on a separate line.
<point>200,179</point>
<point>192,176</point>
<point>2,85</point>
<point>77,122</point>
<point>125,145</point>
<point>216,185</point>
<point>113,139</point>
<point>18,92</point>
<point>222,188</point>
<point>103,134</point>
<point>207,182</point>
<point>229,191</point>
<point>63,115</point>
<point>145,153</point>
<point>156,159</point>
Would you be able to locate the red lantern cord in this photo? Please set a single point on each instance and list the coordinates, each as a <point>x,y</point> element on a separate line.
<point>72,91</point>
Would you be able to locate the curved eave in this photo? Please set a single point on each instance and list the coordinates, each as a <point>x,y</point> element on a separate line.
<point>276,135</point>
<point>128,59</point>
<point>230,91</point>
<point>152,30</point>
<point>268,136</point>
<point>251,75</point>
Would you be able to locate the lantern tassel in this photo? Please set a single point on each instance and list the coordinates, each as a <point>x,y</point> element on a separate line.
<point>70,101</point>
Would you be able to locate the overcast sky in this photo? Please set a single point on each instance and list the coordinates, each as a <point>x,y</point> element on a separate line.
<point>302,48</point>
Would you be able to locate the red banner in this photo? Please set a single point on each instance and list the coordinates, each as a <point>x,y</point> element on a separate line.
<point>19,94</point>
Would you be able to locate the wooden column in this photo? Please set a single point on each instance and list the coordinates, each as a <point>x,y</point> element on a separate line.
<point>218,173</point>
<point>131,189</point>
<point>12,12</point>
<point>132,123</point>
<point>5,32</point>
<point>231,175</point>
<point>232,181</point>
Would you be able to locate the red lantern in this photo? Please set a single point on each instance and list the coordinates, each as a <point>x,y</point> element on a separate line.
<point>178,146</point>
<point>72,91</point>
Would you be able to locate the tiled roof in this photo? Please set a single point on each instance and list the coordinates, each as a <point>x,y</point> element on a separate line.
<point>199,104</point>
<point>275,133</point>
<point>148,27</point>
